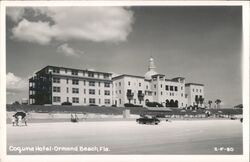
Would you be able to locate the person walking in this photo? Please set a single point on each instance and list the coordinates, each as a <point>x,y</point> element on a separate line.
<point>13,120</point>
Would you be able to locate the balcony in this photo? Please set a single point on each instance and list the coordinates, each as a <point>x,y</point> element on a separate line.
<point>140,95</point>
<point>130,94</point>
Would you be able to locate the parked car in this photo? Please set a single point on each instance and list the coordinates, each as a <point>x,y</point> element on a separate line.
<point>147,120</point>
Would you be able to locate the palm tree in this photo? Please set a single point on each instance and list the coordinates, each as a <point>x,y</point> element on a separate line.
<point>217,101</point>
<point>210,103</point>
<point>130,95</point>
<point>197,100</point>
<point>201,99</point>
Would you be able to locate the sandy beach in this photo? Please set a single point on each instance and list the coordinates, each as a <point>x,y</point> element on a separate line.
<point>127,137</point>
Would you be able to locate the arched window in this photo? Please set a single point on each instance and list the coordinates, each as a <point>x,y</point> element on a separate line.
<point>167,103</point>
<point>172,104</point>
<point>176,103</point>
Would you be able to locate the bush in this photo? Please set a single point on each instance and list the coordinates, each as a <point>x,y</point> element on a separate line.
<point>66,103</point>
<point>131,105</point>
<point>93,105</point>
<point>154,104</point>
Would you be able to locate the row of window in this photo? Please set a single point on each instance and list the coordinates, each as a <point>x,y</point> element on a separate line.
<point>197,90</point>
<point>76,82</point>
<point>76,100</point>
<point>76,90</point>
<point>167,87</point>
<point>76,72</point>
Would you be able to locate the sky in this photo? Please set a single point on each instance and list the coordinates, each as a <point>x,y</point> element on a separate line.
<point>202,44</point>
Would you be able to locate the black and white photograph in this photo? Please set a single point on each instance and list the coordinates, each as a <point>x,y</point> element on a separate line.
<point>125,79</point>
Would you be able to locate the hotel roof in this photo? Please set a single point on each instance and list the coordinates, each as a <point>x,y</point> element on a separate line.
<point>127,75</point>
<point>197,84</point>
<point>86,70</point>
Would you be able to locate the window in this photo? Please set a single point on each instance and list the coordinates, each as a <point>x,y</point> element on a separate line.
<point>99,101</point>
<point>56,99</point>
<point>181,94</point>
<point>161,85</point>
<point>171,88</point>
<point>176,88</point>
<point>74,72</point>
<point>92,100</point>
<point>84,82</point>
<point>66,71</point>
<point>200,90</point>
<point>134,101</point>
<point>107,101</point>
<point>196,90</point>
<point>56,89</point>
<point>106,92</point>
<point>99,84</point>
<point>146,86</point>
<point>193,89</point>
<point>91,91</point>
<point>84,91</point>
<point>139,84</point>
<point>56,70</point>
<point>120,101</point>
<point>92,83</point>
<point>90,74</point>
<point>98,75</point>
<point>67,89</point>
<point>155,86</point>
<point>155,93</point>
<point>106,84</point>
<point>67,99</point>
<point>75,82</point>
<point>161,92</point>
<point>67,80</point>
<point>99,92</point>
<point>75,90</point>
<point>129,83</point>
<point>106,76</point>
<point>120,91</point>
<point>181,88</point>
<point>75,99</point>
<point>84,100</point>
<point>166,88</point>
<point>120,83</point>
<point>56,80</point>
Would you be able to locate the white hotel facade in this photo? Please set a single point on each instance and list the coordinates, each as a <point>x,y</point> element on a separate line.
<point>57,85</point>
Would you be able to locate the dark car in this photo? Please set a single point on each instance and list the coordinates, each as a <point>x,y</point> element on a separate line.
<point>146,120</point>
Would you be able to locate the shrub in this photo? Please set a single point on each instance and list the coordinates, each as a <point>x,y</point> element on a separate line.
<point>154,104</point>
<point>93,105</point>
<point>66,103</point>
<point>131,105</point>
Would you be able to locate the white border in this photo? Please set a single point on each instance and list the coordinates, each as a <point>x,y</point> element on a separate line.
<point>127,158</point>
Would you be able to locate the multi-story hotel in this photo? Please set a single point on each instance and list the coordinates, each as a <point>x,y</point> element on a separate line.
<point>57,85</point>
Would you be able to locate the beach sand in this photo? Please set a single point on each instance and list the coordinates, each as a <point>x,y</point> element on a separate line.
<point>194,137</point>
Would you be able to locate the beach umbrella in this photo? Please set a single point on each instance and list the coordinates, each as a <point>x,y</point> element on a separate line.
<point>22,114</point>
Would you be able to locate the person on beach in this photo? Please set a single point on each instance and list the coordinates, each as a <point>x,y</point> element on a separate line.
<point>19,120</point>
<point>13,120</point>
<point>25,121</point>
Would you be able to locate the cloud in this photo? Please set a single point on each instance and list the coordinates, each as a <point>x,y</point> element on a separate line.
<point>68,51</point>
<point>36,32</point>
<point>15,13</point>
<point>97,24</point>
<point>15,84</point>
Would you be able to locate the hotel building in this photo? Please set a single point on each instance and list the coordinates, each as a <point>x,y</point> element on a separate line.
<point>56,85</point>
